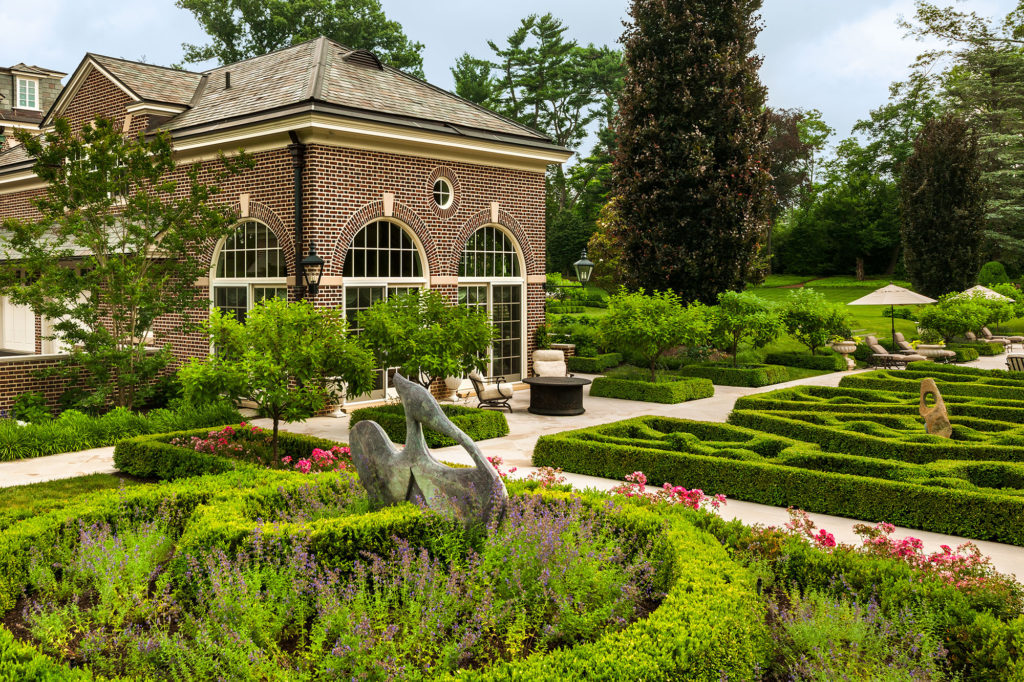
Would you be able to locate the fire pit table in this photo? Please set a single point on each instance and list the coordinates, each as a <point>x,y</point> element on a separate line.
<point>556,396</point>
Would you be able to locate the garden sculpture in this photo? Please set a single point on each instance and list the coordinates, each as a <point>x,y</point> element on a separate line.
<point>936,419</point>
<point>392,475</point>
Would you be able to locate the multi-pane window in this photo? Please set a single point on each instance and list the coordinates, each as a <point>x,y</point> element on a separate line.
<point>250,268</point>
<point>489,253</point>
<point>443,194</point>
<point>383,250</point>
<point>28,95</point>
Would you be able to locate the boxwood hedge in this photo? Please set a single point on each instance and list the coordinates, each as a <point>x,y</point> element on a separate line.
<point>965,352</point>
<point>831,362</point>
<point>594,365</point>
<point>909,381</point>
<point>677,391</point>
<point>743,375</point>
<point>477,423</point>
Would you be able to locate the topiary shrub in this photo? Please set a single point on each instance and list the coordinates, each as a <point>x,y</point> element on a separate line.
<point>478,424</point>
<point>991,273</point>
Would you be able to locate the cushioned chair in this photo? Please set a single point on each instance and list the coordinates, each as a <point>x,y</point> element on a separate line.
<point>883,358</point>
<point>550,363</point>
<point>1015,363</point>
<point>492,392</point>
<point>1007,341</point>
<point>906,349</point>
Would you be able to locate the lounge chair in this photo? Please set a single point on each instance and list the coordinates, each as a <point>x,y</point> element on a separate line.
<point>550,363</point>
<point>1015,363</point>
<point>1007,341</point>
<point>883,358</point>
<point>492,392</point>
<point>906,349</point>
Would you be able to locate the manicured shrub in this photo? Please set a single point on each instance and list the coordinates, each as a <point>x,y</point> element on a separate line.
<point>74,431</point>
<point>594,365</point>
<point>985,348</point>
<point>678,391</point>
<point>476,423</point>
<point>909,381</point>
<point>991,273</point>
<point>565,308</point>
<point>967,371</point>
<point>725,374</point>
<point>831,362</point>
<point>964,353</point>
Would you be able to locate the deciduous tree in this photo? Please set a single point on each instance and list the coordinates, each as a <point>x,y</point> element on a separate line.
<point>812,320</point>
<point>744,317</point>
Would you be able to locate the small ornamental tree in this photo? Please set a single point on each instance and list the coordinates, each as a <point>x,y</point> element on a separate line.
<point>426,337</point>
<point>744,317</point>
<point>954,315</point>
<point>812,320</point>
<point>291,359</point>
<point>647,326</point>
<point>691,166</point>
<point>942,207</point>
<point>114,249</point>
<point>1010,290</point>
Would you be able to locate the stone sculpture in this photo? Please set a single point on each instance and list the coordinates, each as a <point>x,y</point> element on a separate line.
<point>936,419</point>
<point>392,475</point>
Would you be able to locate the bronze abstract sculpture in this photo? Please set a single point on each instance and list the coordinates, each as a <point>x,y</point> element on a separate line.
<point>936,419</point>
<point>392,475</point>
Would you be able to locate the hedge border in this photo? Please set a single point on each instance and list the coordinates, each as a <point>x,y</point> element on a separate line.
<point>979,515</point>
<point>478,424</point>
<point>666,392</point>
<point>832,362</point>
<point>594,365</point>
<point>909,381</point>
<point>753,376</point>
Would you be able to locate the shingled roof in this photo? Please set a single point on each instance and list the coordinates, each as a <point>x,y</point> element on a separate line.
<point>150,82</point>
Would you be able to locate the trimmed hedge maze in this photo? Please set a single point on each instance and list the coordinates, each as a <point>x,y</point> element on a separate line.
<point>952,494</point>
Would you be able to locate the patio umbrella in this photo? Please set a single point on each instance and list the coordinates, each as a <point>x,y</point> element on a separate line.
<point>892,296</point>
<point>979,290</point>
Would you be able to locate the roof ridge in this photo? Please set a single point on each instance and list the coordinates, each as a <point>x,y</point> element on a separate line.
<point>316,80</point>
<point>267,54</point>
<point>155,66</point>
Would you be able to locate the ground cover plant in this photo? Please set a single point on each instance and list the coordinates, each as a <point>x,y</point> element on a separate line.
<point>476,423</point>
<point>74,430</point>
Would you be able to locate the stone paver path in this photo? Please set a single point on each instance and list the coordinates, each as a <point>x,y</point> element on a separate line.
<point>516,450</point>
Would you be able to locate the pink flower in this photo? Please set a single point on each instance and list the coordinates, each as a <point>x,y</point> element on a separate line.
<point>287,459</point>
<point>304,465</point>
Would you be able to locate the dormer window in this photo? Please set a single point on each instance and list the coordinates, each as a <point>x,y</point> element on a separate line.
<point>28,93</point>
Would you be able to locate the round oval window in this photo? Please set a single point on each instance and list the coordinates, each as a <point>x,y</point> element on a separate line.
<point>443,193</point>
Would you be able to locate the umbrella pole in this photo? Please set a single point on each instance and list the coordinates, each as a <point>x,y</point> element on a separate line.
<point>892,316</point>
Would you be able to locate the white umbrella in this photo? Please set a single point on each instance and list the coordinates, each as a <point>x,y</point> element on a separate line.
<point>892,296</point>
<point>979,290</point>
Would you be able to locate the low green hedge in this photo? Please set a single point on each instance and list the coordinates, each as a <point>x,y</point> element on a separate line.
<point>154,457</point>
<point>964,353</point>
<point>725,374</point>
<point>74,430</point>
<point>594,365</point>
<point>984,516</point>
<point>967,371</point>
<point>909,381</point>
<point>477,423</point>
<point>678,391</point>
<point>564,308</point>
<point>986,348</point>
<point>832,362</point>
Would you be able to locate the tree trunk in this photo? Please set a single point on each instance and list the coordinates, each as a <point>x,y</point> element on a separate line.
<point>273,440</point>
<point>860,269</point>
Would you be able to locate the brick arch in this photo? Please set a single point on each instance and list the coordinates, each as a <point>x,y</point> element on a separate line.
<point>261,212</point>
<point>375,211</point>
<point>505,220</point>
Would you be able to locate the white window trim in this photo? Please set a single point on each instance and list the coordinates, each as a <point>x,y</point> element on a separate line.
<point>451,192</point>
<point>247,282</point>
<point>17,92</point>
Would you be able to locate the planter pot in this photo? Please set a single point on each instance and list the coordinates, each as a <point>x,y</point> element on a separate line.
<point>453,384</point>
<point>844,348</point>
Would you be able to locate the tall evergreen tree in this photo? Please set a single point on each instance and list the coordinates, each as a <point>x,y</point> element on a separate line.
<point>691,166</point>
<point>942,207</point>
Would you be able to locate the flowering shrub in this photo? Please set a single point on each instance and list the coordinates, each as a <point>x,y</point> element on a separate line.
<point>229,441</point>
<point>547,477</point>
<point>636,486</point>
<point>254,444</point>
<point>333,459</point>
<point>497,462</point>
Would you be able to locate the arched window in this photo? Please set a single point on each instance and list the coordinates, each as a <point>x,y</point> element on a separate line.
<point>490,278</point>
<point>383,260</point>
<point>249,267</point>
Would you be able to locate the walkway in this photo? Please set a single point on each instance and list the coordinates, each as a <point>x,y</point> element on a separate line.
<point>516,451</point>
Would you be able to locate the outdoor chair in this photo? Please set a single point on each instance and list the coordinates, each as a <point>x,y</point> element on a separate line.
<point>906,349</point>
<point>492,392</point>
<point>883,358</point>
<point>1015,363</point>
<point>550,363</point>
<point>986,335</point>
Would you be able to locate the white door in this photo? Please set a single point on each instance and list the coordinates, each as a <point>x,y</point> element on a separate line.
<point>19,327</point>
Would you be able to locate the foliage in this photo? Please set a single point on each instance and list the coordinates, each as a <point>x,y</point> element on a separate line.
<point>744,317</point>
<point>991,273</point>
<point>603,249</point>
<point>812,320</point>
<point>692,161</point>
<point>1011,291</point>
<point>36,499</point>
<point>253,444</point>
<point>941,205</point>
<point>790,152</point>
<point>89,263</point>
<point>425,336</point>
<point>31,407</point>
<point>666,389</point>
<point>73,431</point>
<point>476,423</point>
<point>594,365</point>
<point>830,362</point>
<point>291,359</point>
<point>737,375</point>
<point>239,30</point>
<point>954,315</point>
<point>648,325</point>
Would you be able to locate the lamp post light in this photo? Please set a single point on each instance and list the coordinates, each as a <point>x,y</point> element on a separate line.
<point>312,270</point>
<point>584,268</point>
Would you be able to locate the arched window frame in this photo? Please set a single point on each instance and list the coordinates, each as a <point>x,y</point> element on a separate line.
<point>240,294</point>
<point>471,288</point>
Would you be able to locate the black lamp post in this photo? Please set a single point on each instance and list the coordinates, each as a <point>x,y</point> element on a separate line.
<point>312,270</point>
<point>584,268</point>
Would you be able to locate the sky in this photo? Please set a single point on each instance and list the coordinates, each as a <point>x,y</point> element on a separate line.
<point>838,56</point>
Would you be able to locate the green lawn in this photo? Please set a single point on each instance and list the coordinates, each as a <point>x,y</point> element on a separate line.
<point>22,501</point>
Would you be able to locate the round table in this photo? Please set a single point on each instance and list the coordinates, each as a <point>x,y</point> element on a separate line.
<point>556,396</point>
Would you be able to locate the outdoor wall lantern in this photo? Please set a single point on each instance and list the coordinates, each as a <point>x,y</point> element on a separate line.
<point>312,270</point>
<point>584,268</point>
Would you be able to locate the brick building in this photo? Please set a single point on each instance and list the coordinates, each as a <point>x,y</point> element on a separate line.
<point>26,92</point>
<point>395,183</point>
